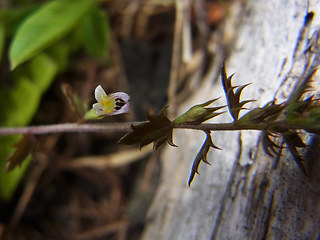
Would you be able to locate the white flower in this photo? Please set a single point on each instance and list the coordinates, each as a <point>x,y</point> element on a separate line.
<point>113,104</point>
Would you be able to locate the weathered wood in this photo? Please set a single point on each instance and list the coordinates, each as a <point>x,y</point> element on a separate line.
<point>245,194</point>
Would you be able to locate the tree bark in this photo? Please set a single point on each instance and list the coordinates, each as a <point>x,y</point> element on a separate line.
<point>245,194</point>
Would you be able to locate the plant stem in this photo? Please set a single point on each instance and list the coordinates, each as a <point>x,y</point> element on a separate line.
<point>114,127</point>
<point>69,127</point>
<point>123,127</point>
<point>221,127</point>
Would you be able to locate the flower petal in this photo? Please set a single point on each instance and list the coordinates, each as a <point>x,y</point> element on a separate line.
<point>122,95</point>
<point>123,109</point>
<point>99,109</point>
<point>99,93</point>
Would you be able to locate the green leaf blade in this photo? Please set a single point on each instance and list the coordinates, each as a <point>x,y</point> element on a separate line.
<point>198,114</point>
<point>47,25</point>
<point>95,33</point>
<point>2,38</point>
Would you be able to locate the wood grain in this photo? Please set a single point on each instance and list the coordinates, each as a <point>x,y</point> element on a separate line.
<point>245,194</point>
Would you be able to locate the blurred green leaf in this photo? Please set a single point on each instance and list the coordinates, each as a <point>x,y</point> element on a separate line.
<point>15,16</point>
<point>60,53</point>
<point>42,70</point>
<point>9,180</point>
<point>12,17</point>
<point>46,26</point>
<point>18,105</point>
<point>23,148</point>
<point>2,38</point>
<point>95,33</point>
<point>91,115</point>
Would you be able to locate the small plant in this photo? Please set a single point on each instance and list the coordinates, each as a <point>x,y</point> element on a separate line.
<point>274,120</point>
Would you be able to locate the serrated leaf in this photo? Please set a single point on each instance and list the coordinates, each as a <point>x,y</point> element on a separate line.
<point>269,146</point>
<point>294,141</point>
<point>158,130</point>
<point>292,106</point>
<point>23,148</point>
<point>304,113</point>
<point>270,111</point>
<point>44,27</point>
<point>9,180</point>
<point>201,156</point>
<point>233,98</point>
<point>198,114</point>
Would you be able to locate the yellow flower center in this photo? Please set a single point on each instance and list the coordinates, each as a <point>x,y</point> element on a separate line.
<point>108,104</point>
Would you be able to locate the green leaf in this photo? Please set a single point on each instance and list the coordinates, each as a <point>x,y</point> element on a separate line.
<point>46,26</point>
<point>42,70</point>
<point>269,112</point>
<point>292,106</point>
<point>60,53</point>
<point>18,104</point>
<point>91,115</point>
<point>304,113</point>
<point>2,38</point>
<point>95,33</point>
<point>9,180</point>
<point>198,114</point>
<point>13,17</point>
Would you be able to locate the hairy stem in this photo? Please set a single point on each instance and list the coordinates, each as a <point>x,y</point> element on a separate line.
<point>123,127</point>
<point>221,126</point>
<point>114,127</point>
<point>69,127</point>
